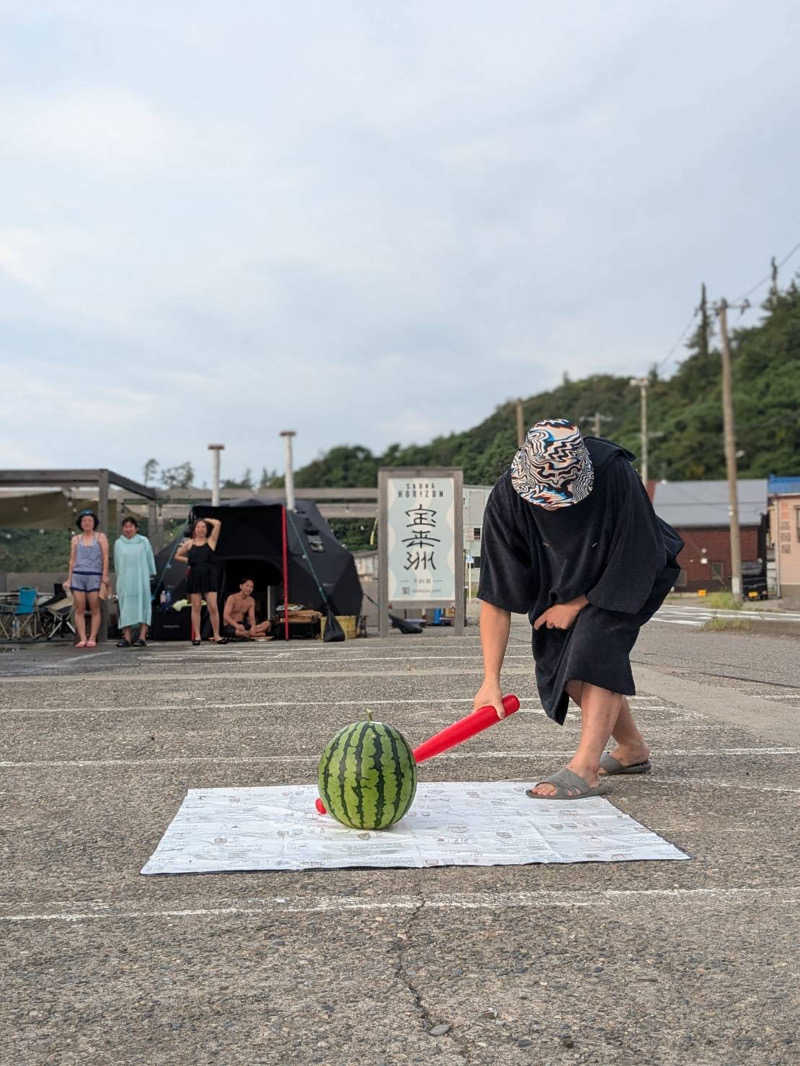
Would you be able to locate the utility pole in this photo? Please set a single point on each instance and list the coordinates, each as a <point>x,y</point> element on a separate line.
<point>520,425</point>
<point>287,435</point>
<point>773,287</point>
<point>705,332</point>
<point>596,419</point>
<point>729,430</point>
<point>215,449</point>
<point>642,383</point>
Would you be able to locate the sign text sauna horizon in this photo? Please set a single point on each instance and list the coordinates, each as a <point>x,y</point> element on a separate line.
<point>421,537</point>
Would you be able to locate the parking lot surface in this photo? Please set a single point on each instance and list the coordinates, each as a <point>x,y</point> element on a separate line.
<point>652,962</point>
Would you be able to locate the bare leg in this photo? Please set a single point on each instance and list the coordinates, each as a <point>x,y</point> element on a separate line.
<point>631,747</point>
<point>260,629</point>
<point>194,599</point>
<point>213,614</point>
<point>600,710</point>
<point>94,607</point>
<point>143,631</point>
<point>79,611</point>
<point>126,634</point>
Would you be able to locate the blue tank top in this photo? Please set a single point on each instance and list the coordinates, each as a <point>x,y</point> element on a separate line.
<point>88,557</point>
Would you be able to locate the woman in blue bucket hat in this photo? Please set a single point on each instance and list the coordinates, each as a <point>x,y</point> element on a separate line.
<point>88,575</point>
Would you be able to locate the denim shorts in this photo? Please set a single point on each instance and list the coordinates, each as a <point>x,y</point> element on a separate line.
<point>86,582</point>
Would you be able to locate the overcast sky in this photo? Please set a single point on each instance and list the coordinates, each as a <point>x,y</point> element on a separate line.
<point>367,221</point>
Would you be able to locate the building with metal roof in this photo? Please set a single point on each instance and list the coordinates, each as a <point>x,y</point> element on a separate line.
<point>704,504</point>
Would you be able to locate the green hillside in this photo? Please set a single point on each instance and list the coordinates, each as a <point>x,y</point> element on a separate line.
<point>685,415</point>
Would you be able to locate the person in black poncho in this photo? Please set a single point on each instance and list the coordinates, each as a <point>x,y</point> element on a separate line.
<point>570,538</point>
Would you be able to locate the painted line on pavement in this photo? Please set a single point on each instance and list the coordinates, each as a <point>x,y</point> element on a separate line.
<point>270,906</point>
<point>365,703</point>
<point>521,754</point>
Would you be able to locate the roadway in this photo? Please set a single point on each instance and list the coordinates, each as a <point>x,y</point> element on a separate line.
<point>663,963</point>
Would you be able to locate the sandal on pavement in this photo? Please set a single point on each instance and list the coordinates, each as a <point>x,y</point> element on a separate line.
<point>609,766</point>
<point>140,643</point>
<point>124,644</point>
<point>91,643</point>
<point>81,644</point>
<point>197,642</point>
<point>569,786</point>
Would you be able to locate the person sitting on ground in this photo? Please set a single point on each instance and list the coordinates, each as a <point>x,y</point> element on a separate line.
<point>570,538</point>
<point>239,616</point>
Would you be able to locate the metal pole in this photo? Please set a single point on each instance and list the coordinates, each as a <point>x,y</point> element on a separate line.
<point>102,514</point>
<point>287,435</point>
<point>383,553</point>
<point>285,561</point>
<point>215,449</point>
<point>642,384</point>
<point>730,451</point>
<point>458,497</point>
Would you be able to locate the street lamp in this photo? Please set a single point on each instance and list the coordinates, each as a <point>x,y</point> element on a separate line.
<point>215,449</point>
<point>287,435</point>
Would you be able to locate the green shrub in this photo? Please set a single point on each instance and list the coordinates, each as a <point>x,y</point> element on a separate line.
<point>722,601</point>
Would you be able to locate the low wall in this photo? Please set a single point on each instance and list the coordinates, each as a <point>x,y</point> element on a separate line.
<point>44,582</point>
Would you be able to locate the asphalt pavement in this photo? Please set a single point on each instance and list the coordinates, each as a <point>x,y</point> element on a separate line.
<point>647,962</point>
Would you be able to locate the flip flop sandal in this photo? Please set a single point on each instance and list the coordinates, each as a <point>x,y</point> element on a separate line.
<point>611,767</point>
<point>140,643</point>
<point>569,786</point>
<point>197,643</point>
<point>124,644</point>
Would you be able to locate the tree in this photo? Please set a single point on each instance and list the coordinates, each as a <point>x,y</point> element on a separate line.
<point>245,482</point>
<point>178,477</point>
<point>270,479</point>
<point>150,470</point>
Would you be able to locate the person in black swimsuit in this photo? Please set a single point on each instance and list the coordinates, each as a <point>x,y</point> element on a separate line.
<point>202,581</point>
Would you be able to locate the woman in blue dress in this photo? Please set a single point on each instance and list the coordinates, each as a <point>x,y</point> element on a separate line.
<point>134,565</point>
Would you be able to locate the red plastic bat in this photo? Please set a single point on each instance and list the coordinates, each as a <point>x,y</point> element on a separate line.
<point>462,730</point>
<point>456,733</point>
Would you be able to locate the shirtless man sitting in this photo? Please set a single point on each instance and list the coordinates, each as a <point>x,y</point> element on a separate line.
<point>239,616</point>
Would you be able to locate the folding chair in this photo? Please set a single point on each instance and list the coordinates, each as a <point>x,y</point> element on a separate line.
<point>6,621</point>
<point>26,617</point>
<point>55,615</point>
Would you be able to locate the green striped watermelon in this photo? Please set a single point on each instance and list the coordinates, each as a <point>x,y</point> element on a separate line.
<point>367,775</point>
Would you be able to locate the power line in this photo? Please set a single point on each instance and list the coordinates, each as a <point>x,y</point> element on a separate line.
<point>682,337</point>
<point>768,277</point>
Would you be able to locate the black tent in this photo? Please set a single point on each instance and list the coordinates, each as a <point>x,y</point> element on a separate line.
<point>251,544</point>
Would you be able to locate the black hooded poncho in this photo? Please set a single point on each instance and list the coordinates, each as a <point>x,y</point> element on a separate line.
<point>610,547</point>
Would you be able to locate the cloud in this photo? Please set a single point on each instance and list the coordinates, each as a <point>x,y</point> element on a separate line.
<point>368,222</point>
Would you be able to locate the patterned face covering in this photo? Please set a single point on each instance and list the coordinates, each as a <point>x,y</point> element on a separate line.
<point>552,468</point>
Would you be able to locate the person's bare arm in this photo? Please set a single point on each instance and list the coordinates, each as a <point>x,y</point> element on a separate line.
<point>495,625</point>
<point>216,526</point>
<point>72,550</point>
<point>251,614</point>
<point>180,554</point>
<point>103,539</point>
<point>227,618</point>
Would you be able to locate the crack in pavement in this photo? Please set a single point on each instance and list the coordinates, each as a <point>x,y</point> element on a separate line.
<point>403,943</point>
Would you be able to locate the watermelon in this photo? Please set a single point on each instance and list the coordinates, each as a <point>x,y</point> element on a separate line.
<point>367,775</point>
